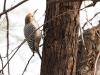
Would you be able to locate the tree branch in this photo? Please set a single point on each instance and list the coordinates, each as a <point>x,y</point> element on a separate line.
<point>95,64</point>
<point>7,35</point>
<point>8,42</point>
<point>2,64</point>
<point>12,7</point>
<point>90,19</point>
<point>27,64</point>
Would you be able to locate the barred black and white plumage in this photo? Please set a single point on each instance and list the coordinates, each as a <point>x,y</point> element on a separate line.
<point>30,27</point>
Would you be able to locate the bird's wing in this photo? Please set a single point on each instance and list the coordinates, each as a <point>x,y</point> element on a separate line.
<point>28,29</point>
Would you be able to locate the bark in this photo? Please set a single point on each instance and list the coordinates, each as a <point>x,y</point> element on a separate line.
<point>88,51</point>
<point>61,41</point>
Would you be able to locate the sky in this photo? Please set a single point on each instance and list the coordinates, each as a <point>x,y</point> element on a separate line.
<point>16,21</point>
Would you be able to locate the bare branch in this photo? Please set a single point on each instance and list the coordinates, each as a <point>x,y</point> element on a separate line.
<point>41,17</point>
<point>13,7</point>
<point>27,64</point>
<point>95,64</point>
<point>90,5</point>
<point>4,10</point>
<point>8,42</point>
<point>90,19</point>
<point>4,6</point>
<point>12,55</point>
<point>2,64</point>
<point>7,35</point>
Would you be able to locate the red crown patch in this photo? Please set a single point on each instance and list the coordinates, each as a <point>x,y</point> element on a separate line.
<point>29,14</point>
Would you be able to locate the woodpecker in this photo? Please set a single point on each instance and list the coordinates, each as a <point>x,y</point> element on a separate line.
<point>32,26</point>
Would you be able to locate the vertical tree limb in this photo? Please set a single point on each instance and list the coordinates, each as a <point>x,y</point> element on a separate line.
<point>2,64</point>
<point>7,35</point>
<point>8,42</point>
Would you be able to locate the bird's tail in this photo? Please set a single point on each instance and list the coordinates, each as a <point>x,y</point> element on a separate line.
<point>37,51</point>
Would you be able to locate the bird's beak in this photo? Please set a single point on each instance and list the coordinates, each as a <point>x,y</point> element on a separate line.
<point>35,11</point>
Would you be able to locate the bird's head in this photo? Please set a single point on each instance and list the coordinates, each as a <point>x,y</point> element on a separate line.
<point>30,17</point>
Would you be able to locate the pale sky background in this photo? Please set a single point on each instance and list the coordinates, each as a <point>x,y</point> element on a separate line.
<point>16,19</point>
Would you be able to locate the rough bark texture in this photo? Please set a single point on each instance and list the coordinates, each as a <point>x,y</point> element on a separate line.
<point>89,47</point>
<point>60,43</point>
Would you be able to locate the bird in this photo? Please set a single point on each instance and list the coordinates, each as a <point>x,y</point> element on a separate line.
<point>32,28</point>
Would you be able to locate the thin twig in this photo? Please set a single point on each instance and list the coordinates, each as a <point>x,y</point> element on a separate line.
<point>10,52</point>
<point>95,64</point>
<point>94,28</point>
<point>13,3</point>
<point>90,19</point>
<point>90,5</point>
<point>15,53</point>
<point>2,21</point>
<point>4,10</point>
<point>2,64</point>
<point>13,7</point>
<point>81,32</point>
<point>86,12</point>
<point>27,64</point>
<point>41,45</point>
<point>8,42</point>
<point>15,49</point>
<point>7,36</point>
<point>41,17</point>
<point>12,55</point>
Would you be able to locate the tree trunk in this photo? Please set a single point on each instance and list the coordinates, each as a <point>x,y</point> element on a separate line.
<point>61,41</point>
